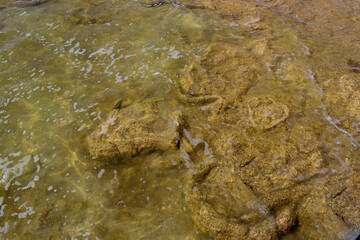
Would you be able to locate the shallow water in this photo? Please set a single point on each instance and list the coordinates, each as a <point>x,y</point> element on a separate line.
<point>64,65</point>
<point>61,72</point>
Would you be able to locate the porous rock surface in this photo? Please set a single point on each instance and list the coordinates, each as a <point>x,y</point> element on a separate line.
<point>265,112</point>
<point>227,208</point>
<point>138,128</point>
<point>225,71</point>
<point>261,165</point>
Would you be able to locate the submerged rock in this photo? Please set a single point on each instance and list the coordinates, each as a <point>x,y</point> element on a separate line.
<point>247,184</point>
<point>285,221</point>
<point>342,98</point>
<point>265,112</point>
<point>224,72</point>
<point>251,175</point>
<point>138,128</point>
<point>227,208</point>
<point>345,201</point>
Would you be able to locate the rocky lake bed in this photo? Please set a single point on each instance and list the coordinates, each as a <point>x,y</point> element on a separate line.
<point>193,119</point>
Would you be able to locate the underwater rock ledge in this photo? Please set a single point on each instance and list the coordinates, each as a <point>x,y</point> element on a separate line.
<point>255,174</point>
<point>260,170</point>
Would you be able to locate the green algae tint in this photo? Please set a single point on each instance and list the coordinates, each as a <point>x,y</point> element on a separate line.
<point>251,151</point>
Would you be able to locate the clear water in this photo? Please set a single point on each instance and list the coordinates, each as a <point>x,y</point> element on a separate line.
<point>63,66</point>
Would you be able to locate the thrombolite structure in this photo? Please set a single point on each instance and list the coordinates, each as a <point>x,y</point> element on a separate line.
<point>257,167</point>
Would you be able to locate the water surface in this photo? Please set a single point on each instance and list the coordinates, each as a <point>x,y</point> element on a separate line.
<point>64,64</point>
